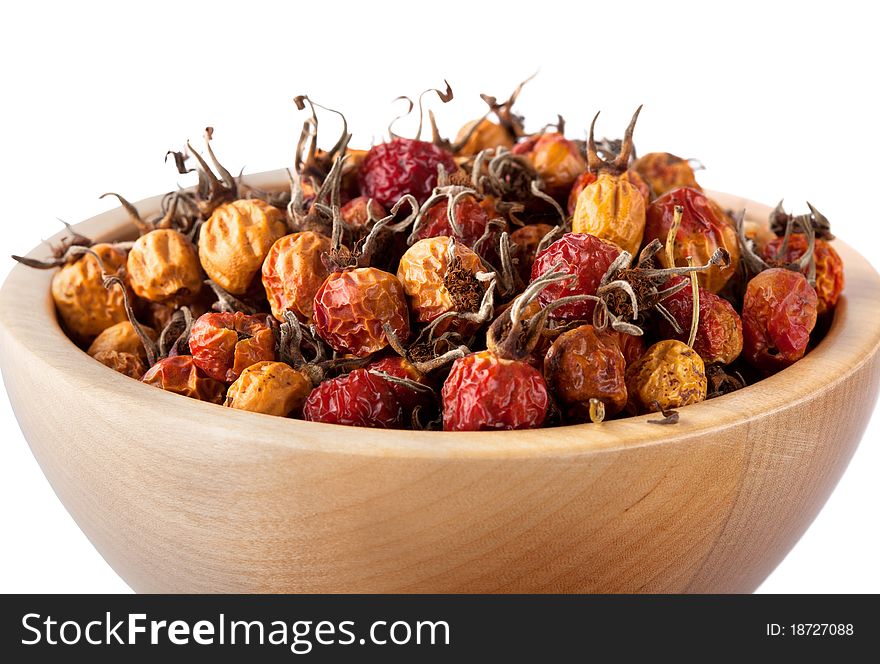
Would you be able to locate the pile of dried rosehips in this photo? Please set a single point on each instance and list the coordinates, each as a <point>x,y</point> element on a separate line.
<point>501,280</point>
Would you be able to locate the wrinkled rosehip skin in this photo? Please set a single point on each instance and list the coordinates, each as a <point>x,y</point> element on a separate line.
<point>293,272</point>
<point>583,255</point>
<point>484,392</point>
<point>582,365</point>
<point>587,178</point>
<point>351,306</point>
<point>472,220</point>
<point>556,159</point>
<point>486,134</point>
<point>357,399</point>
<point>829,266</point>
<point>357,214</point>
<point>128,364</point>
<point>669,375</point>
<point>402,166</point>
<point>525,247</point>
<point>180,375</point>
<point>664,172</point>
<point>611,208</point>
<point>631,346</point>
<point>779,312</point>
<point>271,388</point>
<point>408,397</point>
<point>719,333</point>
<point>704,228</point>
<point>225,344</point>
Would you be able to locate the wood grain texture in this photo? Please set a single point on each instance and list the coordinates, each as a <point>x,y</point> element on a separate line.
<point>183,496</point>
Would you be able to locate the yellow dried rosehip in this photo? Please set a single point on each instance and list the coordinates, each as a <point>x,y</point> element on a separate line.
<point>235,240</point>
<point>669,375</point>
<point>85,306</point>
<point>664,172</point>
<point>128,364</point>
<point>293,272</point>
<point>121,338</point>
<point>272,388</point>
<point>484,134</point>
<point>163,267</point>
<point>434,284</point>
<point>611,208</point>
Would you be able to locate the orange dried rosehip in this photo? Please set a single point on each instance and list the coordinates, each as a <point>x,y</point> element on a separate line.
<point>557,160</point>
<point>583,364</point>
<point>664,172</point>
<point>235,240</point>
<point>180,375</point>
<point>479,135</point>
<point>779,312</point>
<point>829,266</point>
<point>359,399</point>
<point>293,272</point>
<point>525,246</point>
<point>358,214</point>
<point>669,375</point>
<point>632,346</point>
<point>163,267</point>
<point>128,364</point>
<point>719,337</point>
<point>85,306</point>
<point>272,388</point>
<point>121,338</point>
<point>704,228</point>
<point>352,305</point>
<point>225,344</point>
<point>436,282</point>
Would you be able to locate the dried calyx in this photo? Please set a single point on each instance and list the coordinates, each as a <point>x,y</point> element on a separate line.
<point>780,220</point>
<point>227,302</point>
<point>179,212</point>
<point>806,264</point>
<point>304,350</point>
<point>445,96</point>
<point>721,382</point>
<point>212,189</point>
<point>621,160</point>
<point>507,177</point>
<point>312,163</point>
<point>71,248</point>
<point>151,348</point>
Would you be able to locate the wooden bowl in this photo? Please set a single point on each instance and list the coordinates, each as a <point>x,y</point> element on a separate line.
<point>185,496</point>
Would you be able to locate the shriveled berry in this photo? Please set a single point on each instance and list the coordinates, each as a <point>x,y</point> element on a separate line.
<point>225,344</point>
<point>632,346</point>
<point>557,160</point>
<point>582,365</point>
<point>408,396</point>
<point>664,172</point>
<point>358,399</point>
<point>293,272</point>
<point>585,256</point>
<point>359,212</point>
<point>163,267</point>
<point>719,337</point>
<point>352,305</point>
<point>436,282</point>
<point>121,338</point>
<point>669,375</point>
<point>829,266</point>
<point>485,392</point>
<point>272,388</point>
<point>471,218</point>
<point>484,134</point>
<point>704,228</point>
<point>582,182</point>
<point>235,240</point>
<point>128,364</point>
<point>180,375</point>
<point>611,208</point>
<point>525,245</point>
<point>85,306</point>
<point>779,312</point>
<point>402,166</point>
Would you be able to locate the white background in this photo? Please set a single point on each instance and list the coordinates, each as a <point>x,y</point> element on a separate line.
<point>777,99</point>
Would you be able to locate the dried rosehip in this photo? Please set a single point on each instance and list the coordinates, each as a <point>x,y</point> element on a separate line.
<point>128,364</point>
<point>225,344</point>
<point>179,374</point>
<point>85,306</point>
<point>719,338</point>
<point>359,213</point>
<point>122,338</point>
<point>352,305</point>
<point>272,388</point>
<point>163,267</point>
<point>583,365</point>
<point>470,220</point>
<point>358,399</point>
<point>525,244</point>
<point>439,277</point>
<point>829,266</point>
<point>631,345</point>
<point>235,240</point>
<point>293,272</point>
<point>669,375</point>
<point>557,160</point>
<point>407,388</point>
<point>585,256</point>
<point>779,312</point>
<point>612,207</point>
<point>587,178</point>
<point>485,391</point>
<point>402,166</point>
<point>479,135</point>
<point>704,228</point>
<point>664,172</point>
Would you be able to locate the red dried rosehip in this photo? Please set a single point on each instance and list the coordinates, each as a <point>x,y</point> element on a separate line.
<point>525,245</point>
<point>402,166</point>
<point>704,228</point>
<point>358,399</point>
<point>293,272</point>
<point>358,214</point>
<point>485,391</point>
<point>583,364</point>
<point>408,396</point>
<point>180,375</point>
<point>585,256</point>
<point>719,332</point>
<point>225,344</point>
<point>352,305</point>
<point>471,218</point>
<point>664,172</point>
<point>829,266</point>
<point>557,160</point>
<point>779,312</point>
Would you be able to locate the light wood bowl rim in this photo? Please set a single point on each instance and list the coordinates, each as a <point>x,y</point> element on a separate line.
<point>29,325</point>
